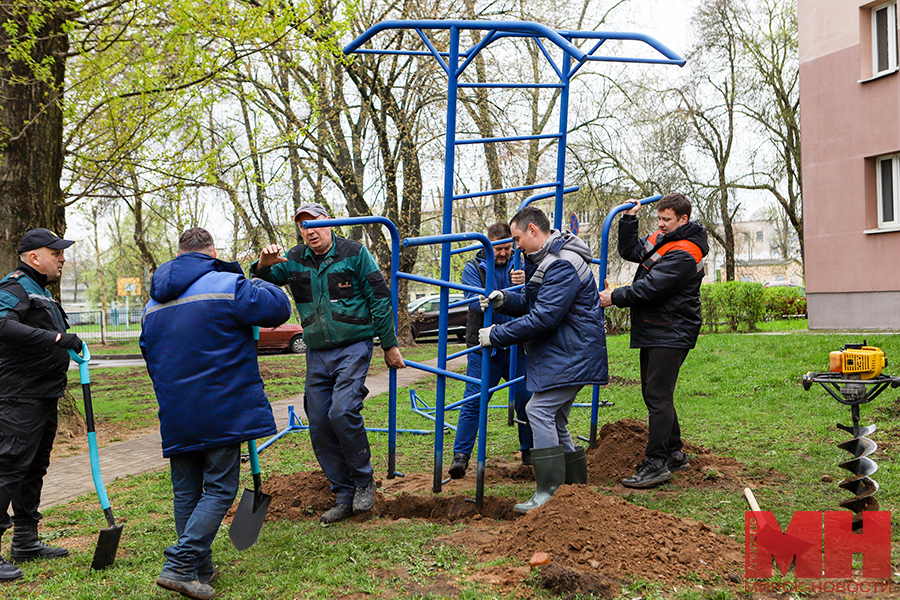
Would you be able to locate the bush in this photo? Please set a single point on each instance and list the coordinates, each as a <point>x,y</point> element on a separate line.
<point>783,301</point>
<point>617,320</point>
<point>737,303</point>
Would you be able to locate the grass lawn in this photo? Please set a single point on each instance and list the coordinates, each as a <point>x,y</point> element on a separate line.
<point>738,395</point>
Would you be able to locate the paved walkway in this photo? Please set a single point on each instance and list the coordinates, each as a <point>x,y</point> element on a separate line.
<point>70,476</point>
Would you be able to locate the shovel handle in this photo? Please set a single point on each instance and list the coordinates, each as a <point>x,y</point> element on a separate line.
<point>83,372</point>
<point>254,457</point>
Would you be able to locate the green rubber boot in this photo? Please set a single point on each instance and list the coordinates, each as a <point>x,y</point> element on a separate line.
<point>576,466</point>
<point>549,473</point>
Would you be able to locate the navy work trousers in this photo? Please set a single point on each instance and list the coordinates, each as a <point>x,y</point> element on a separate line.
<point>335,390</point>
<point>27,430</point>
<point>467,426</point>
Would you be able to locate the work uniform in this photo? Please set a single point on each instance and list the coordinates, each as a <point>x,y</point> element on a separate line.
<point>665,317</point>
<point>343,302</point>
<point>561,327</point>
<point>197,339</point>
<point>32,379</point>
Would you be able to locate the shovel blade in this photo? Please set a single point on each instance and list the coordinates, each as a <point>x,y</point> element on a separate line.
<point>107,546</point>
<point>246,524</point>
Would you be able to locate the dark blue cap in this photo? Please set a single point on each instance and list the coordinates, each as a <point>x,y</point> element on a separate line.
<point>42,238</point>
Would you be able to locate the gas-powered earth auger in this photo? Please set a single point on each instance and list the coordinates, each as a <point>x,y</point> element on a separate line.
<point>855,378</point>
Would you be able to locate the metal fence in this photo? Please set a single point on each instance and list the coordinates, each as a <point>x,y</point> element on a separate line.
<point>112,325</point>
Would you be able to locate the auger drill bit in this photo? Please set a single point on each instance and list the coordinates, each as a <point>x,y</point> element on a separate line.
<point>860,485</point>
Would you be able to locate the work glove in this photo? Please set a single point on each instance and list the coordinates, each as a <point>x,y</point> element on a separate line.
<point>496,297</point>
<point>71,341</point>
<point>484,336</point>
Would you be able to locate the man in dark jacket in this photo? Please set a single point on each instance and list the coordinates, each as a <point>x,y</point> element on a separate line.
<point>197,339</point>
<point>473,275</point>
<point>343,301</point>
<point>560,324</point>
<point>33,365</point>
<point>665,321</point>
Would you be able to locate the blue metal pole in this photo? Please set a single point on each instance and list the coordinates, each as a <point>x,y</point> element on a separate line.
<point>563,136</point>
<point>485,382</point>
<point>449,168</point>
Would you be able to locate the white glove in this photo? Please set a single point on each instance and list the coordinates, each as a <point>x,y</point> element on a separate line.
<point>496,297</point>
<point>484,336</point>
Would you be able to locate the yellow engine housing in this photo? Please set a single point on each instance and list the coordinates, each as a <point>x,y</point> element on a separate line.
<point>866,362</point>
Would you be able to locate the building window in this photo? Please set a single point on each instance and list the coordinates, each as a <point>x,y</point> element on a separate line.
<point>884,38</point>
<point>759,236</point>
<point>888,175</point>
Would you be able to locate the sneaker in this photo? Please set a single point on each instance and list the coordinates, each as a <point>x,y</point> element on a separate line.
<point>526,457</point>
<point>364,498</point>
<point>8,571</point>
<point>678,461</point>
<point>648,475</point>
<point>336,513</point>
<point>191,589</point>
<point>459,465</point>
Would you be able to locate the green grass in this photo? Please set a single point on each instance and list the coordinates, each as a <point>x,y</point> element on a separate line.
<point>739,395</point>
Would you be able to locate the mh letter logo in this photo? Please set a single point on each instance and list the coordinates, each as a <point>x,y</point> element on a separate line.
<point>802,544</point>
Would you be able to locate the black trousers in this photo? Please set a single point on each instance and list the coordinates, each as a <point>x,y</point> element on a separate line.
<point>659,373</point>
<point>27,429</point>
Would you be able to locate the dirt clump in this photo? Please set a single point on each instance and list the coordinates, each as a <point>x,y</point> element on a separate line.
<point>566,581</point>
<point>621,446</point>
<point>583,530</point>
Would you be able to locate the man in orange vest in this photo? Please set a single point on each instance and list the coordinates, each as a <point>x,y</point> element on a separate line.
<point>665,321</point>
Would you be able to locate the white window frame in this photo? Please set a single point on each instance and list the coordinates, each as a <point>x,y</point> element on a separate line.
<point>891,38</point>
<point>895,180</point>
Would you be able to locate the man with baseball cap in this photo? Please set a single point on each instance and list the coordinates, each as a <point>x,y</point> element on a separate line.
<point>343,302</point>
<point>33,365</point>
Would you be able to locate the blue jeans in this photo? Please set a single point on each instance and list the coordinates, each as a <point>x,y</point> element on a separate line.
<point>204,485</point>
<point>467,426</point>
<point>335,390</point>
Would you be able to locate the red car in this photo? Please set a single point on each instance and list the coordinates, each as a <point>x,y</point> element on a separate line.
<point>287,337</point>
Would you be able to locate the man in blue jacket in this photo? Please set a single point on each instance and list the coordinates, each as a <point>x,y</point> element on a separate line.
<point>197,339</point>
<point>665,322</point>
<point>473,275</point>
<point>559,323</point>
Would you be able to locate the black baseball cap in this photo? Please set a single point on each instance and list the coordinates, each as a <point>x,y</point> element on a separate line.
<point>42,238</point>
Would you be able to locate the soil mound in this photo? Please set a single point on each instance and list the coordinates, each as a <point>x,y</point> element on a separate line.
<point>620,448</point>
<point>608,536</point>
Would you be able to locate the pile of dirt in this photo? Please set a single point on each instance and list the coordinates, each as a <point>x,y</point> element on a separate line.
<point>620,448</point>
<point>607,536</point>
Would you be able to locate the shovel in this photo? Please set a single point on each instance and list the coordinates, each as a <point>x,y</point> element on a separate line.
<point>251,512</point>
<point>108,544</point>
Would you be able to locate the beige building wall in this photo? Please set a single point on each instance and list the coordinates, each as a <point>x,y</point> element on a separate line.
<point>848,119</point>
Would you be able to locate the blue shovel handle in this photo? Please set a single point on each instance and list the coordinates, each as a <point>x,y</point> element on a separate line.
<point>89,418</point>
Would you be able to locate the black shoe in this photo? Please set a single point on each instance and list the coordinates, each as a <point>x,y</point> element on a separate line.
<point>191,589</point>
<point>678,461</point>
<point>8,572</point>
<point>336,513</point>
<point>459,465</point>
<point>364,498</point>
<point>648,475</point>
<point>526,457</point>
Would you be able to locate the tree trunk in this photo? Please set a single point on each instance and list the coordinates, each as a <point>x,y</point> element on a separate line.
<point>31,128</point>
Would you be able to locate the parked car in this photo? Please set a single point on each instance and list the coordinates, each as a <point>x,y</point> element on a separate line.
<point>287,337</point>
<point>782,283</point>
<point>424,314</point>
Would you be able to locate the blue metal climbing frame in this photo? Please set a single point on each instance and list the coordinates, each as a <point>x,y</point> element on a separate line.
<point>454,62</point>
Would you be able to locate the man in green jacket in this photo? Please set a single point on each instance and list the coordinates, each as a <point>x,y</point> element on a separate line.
<point>343,302</point>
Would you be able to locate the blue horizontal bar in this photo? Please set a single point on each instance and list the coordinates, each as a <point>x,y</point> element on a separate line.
<point>479,246</point>
<point>463,302</point>
<point>515,138</point>
<point>511,85</point>
<point>464,352</point>
<point>439,283</point>
<point>442,238</point>
<point>444,372</point>
<point>405,53</point>
<point>652,61</point>
<point>523,188</point>
<point>545,195</point>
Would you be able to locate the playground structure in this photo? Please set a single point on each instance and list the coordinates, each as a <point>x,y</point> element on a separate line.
<point>548,41</point>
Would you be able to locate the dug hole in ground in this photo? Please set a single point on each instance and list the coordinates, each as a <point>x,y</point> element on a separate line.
<point>596,543</point>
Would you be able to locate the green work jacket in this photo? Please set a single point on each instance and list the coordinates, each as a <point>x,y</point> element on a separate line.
<point>341,298</point>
